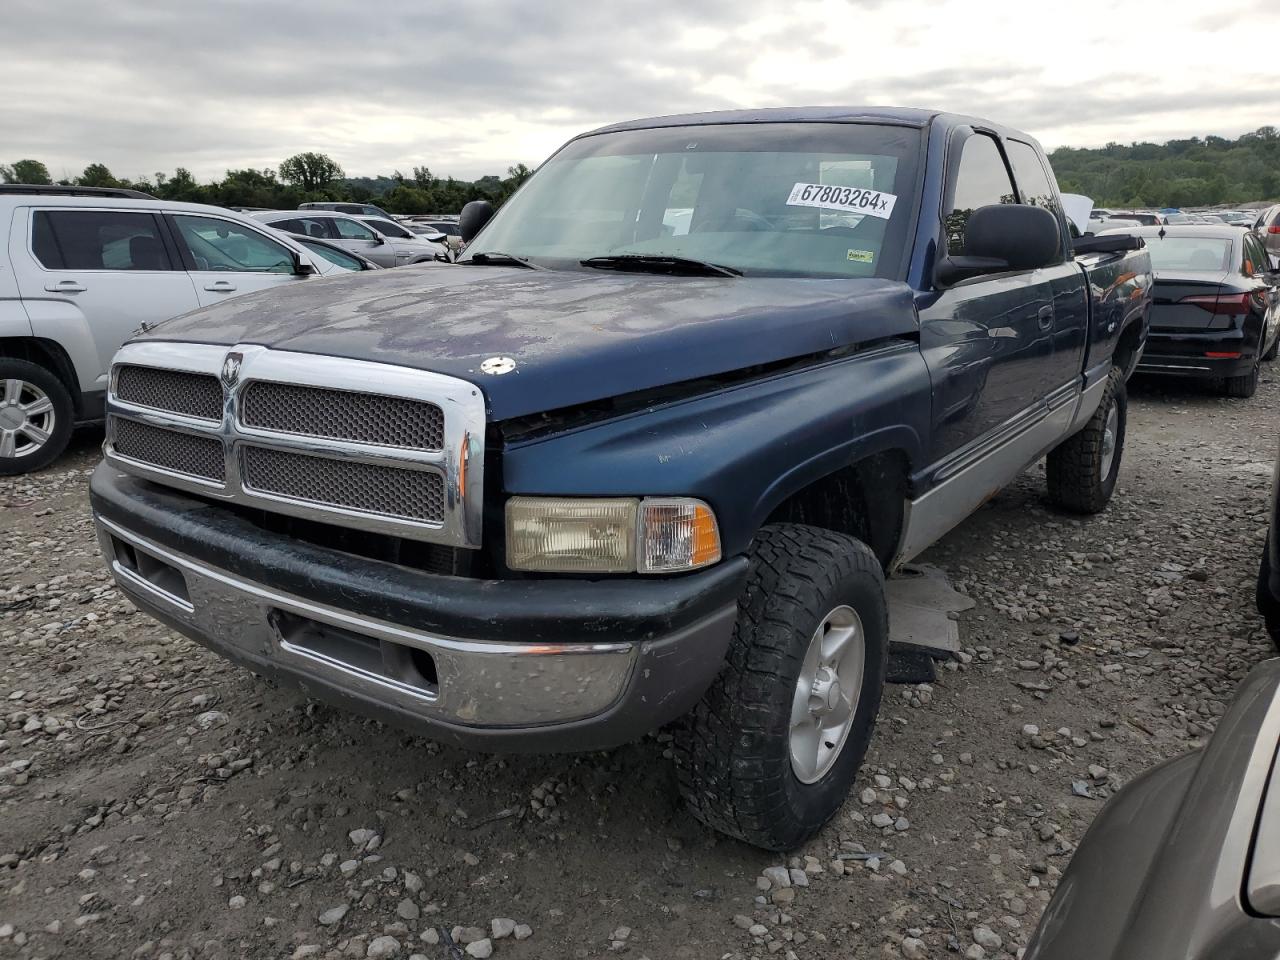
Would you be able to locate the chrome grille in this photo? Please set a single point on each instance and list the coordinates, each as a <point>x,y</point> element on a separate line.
<point>377,447</point>
<point>343,415</point>
<point>183,453</point>
<point>351,485</point>
<point>191,394</point>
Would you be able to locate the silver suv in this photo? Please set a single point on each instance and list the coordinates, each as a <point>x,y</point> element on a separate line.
<point>360,235</point>
<point>81,269</point>
<point>1267,229</point>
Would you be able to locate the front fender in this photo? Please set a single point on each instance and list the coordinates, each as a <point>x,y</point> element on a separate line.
<point>745,449</point>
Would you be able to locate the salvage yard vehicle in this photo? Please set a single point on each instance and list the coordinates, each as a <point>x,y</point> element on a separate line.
<point>1216,314</point>
<point>81,268</point>
<point>600,476</point>
<point>357,234</point>
<point>1184,861</point>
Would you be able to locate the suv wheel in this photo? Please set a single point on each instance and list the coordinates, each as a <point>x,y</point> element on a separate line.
<point>1082,470</point>
<point>769,754</point>
<point>35,417</point>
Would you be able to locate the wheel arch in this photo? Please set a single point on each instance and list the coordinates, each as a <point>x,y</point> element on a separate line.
<point>864,497</point>
<point>50,355</point>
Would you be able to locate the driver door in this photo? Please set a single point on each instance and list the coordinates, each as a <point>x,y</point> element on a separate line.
<point>226,258</point>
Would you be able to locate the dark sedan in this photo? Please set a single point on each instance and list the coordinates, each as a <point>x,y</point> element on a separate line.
<point>1184,861</point>
<point>1216,311</point>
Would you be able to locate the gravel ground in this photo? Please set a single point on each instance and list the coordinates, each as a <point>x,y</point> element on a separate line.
<point>159,803</point>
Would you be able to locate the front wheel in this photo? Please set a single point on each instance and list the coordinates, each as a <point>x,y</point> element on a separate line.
<point>1082,470</point>
<point>769,754</point>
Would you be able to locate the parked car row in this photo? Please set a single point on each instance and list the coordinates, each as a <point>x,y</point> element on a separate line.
<point>1216,308</point>
<point>383,241</point>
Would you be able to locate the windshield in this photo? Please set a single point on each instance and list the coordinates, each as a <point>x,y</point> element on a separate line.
<point>775,199</point>
<point>1189,253</point>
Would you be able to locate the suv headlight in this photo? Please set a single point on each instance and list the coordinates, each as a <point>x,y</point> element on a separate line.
<point>610,535</point>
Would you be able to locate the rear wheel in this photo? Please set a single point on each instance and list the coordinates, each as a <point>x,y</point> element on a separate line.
<point>35,417</point>
<point>769,754</point>
<point>1082,470</point>
<point>1243,386</point>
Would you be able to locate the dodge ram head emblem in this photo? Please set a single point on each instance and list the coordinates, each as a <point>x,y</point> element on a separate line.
<point>231,368</point>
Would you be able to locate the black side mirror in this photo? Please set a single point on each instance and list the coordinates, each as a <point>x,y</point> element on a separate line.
<point>1004,236</point>
<point>474,216</point>
<point>378,239</point>
<point>301,267</point>
<point>1027,237</point>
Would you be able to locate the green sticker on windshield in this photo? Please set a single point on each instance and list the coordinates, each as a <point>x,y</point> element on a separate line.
<point>862,256</point>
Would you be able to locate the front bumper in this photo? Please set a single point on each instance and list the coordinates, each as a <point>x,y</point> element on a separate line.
<point>1183,353</point>
<point>536,665</point>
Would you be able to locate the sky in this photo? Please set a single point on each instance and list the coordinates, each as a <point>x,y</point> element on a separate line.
<point>472,87</point>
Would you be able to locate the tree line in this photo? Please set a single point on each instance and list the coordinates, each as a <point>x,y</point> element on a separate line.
<point>302,178</point>
<point>1180,173</point>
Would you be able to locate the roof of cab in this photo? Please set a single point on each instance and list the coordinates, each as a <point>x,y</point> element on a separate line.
<point>900,116</point>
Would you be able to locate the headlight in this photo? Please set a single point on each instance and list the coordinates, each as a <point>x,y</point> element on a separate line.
<point>610,535</point>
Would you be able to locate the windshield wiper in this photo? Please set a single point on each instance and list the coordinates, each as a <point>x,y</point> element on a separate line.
<point>657,263</point>
<point>502,260</point>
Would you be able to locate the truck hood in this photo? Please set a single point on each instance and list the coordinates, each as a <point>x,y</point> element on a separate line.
<point>575,337</point>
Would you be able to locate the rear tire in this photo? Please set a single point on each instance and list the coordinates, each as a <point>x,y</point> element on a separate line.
<point>35,417</point>
<point>1082,470</point>
<point>1275,348</point>
<point>742,755</point>
<point>1243,386</point>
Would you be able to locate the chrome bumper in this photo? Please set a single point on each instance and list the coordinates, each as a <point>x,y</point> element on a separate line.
<point>435,679</point>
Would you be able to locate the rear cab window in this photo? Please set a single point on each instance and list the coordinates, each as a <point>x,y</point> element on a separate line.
<point>77,239</point>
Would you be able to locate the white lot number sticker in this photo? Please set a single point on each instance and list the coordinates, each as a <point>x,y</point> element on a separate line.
<point>871,203</point>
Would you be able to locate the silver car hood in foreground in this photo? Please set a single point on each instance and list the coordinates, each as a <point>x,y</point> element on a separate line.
<point>1184,862</point>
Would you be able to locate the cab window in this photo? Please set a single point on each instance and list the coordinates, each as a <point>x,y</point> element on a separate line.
<point>221,245</point>
<point>981,180</point>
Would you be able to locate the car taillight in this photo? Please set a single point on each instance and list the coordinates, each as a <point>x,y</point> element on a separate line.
<point>1231,304</point>
<point>1274,228</point>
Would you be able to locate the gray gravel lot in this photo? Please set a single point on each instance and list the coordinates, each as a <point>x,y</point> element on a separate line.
<point>156,802</point>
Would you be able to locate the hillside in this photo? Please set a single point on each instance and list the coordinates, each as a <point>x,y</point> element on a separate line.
<point>1180,173</point>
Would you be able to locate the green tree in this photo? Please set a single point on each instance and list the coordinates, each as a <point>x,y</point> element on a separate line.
<point>26,171</point>
<point>97,175</point>
<point>310,171</point>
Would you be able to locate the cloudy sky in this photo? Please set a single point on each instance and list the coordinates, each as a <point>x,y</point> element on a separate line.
<point>473,86</point>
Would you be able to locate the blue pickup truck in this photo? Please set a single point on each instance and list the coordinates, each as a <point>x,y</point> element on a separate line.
<point>645,454</point>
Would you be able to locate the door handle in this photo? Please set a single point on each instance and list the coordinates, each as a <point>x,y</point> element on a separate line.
<point>220,286</point>
<point>1045,318</point>
<point>66,286</point>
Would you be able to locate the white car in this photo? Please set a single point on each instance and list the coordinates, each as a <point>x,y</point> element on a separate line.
<point>82,268</point>
<point>356,234</point>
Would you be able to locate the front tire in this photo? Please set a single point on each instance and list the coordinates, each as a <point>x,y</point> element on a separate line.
<point>1082,470</point>
<point>35,417</point>
<point>770,752</point>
